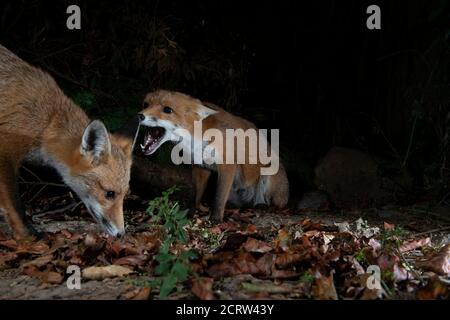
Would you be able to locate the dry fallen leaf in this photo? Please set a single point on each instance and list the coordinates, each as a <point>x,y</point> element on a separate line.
<point>391,263</point>
<point>414,244</point>
<point>311,233</point>
<point>324,288</point>
<point>215,230</point>
<point>202,288</point>
<point>388,226</point>
<point>282,240</point>
<point>343,226</point>
<point>284,274</point>
<point>46,276</point>
<point>134,260</point>
<point>52,277</point>
<point>375,244</point>
<point>10,244</point>
<point>364,230</point>
<point>41,261</point>
<point>268,287</point>
<point>287,259</point>
<point>32,248</point>
<point>7,257</point>
<point>435,289</point>
<point>438,263</point>
<point>308,225</point>
<point>244,263</point>
<point>251,228</point>
<point>253,245</point>
<point>137,294</point>
<point>100,273</point>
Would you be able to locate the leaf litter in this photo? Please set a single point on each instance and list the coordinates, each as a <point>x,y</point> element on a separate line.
<point>242,258</point>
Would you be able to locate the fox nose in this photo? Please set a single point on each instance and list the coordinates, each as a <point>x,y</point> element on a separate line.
<point>120,234</point>
<point>141,117</point>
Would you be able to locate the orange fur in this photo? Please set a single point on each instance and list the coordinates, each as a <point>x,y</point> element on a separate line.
<point>231,178</point>
<point>39,123</point>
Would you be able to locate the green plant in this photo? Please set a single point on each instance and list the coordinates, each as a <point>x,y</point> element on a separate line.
<point>392,238</point>
<point>307,277</point>
<point>169,214</point>
<point>360,256</point>
<point>172,268</point>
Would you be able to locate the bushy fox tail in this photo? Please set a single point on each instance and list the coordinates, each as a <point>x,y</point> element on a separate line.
<point>279,189</point>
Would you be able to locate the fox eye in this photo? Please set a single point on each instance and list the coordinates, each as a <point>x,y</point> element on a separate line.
<point>145,104</point>
<point>110,195</point>
<point>167,109</point>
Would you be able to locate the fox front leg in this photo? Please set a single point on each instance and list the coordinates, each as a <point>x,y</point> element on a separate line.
<point>9,203</point>
<point>225,180</point>
<point>200,179</point>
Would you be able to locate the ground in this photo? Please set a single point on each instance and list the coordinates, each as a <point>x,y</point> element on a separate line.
<point>307,252</point>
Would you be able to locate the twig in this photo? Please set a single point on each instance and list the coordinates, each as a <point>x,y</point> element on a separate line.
<point>37,193</point>
<point>32,173</point>
<point>378,126</point>
<point>70,207</point>
<point>41,58</point>
<point>432,231</point>
<point>45,184</point>
<point>95,91</point>
<point>386,289</point>
<point>429,213</point>
<point>411,137</point>
<point>410,267</point>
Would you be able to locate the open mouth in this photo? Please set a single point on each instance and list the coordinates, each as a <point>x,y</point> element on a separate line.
<point>153,140</point>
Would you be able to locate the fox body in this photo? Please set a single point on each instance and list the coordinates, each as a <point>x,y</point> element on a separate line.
<point>240,184</point>
<point>39,123</point>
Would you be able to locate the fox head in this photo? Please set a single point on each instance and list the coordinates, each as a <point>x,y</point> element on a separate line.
<point>100,174</point>
<point>167,111</point>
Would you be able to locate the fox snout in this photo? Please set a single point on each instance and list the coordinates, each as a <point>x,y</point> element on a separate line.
<point>111,222</point>
<point>112,229</point>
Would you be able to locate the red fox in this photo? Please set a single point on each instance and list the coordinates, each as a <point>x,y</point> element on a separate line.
<point>238,183</point>
<point>39,123</point>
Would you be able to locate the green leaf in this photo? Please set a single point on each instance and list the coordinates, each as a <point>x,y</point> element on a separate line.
<point>168,284</point>
<point>180,271</point>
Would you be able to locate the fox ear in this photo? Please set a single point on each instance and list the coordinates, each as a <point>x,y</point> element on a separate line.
<point>126,136</point>
<point>95,142</point>
<point>204,112</point>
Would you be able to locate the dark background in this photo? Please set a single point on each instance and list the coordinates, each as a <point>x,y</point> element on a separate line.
<point>311,69</point>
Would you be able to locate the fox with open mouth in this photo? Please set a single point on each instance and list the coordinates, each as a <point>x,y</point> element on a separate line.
<point>171,116</point>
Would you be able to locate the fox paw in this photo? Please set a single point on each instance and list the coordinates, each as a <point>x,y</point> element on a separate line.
<point>202,208</point>
<point>216,218</point>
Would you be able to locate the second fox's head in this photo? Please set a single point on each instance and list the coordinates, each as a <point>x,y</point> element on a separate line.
<point>166,112</point>
<point>100,175</point>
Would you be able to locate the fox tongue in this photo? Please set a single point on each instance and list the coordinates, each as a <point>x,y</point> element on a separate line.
<point>149,144</point>
<point>151,141</point>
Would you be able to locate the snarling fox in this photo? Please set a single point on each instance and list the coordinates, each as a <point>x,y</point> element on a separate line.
<point>173,117</point>
<point>39,123</point>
